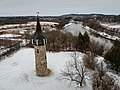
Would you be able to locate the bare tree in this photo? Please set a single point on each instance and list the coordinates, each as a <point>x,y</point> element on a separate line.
<point>89,61</point>
<point>102,81</point>
<point>96,48</point>
<point>74,71</point>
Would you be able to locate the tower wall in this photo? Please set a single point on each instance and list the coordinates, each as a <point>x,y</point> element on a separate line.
<point>40,60</point>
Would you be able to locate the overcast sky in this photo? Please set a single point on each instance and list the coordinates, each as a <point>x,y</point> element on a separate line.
<point>58,7</point>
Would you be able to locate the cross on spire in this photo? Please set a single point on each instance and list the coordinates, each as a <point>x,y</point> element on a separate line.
<point>37,13</point>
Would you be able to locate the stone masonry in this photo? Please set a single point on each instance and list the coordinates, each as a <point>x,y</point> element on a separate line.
<point>40,60</point>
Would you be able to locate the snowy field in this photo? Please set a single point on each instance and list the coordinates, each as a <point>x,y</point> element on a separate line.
<point>28,24</point>
<point>74,28</point>
<point>18,72</point>
<point>9,35</point>
<point>43,23</point>
<point>111,25</point>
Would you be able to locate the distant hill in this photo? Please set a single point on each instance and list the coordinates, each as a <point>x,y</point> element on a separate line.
<point>81,17</point>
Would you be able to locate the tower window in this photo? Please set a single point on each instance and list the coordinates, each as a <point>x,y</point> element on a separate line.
<point>37,50</point>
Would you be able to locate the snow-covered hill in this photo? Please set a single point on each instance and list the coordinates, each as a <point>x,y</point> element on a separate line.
<point>18,72</point>
<point>74,28</point>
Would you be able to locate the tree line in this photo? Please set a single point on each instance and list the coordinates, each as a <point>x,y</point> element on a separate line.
<point>9,49</point>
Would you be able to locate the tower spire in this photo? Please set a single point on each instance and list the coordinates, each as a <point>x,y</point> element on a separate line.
<point>38,37</point>
<point>38,26</point>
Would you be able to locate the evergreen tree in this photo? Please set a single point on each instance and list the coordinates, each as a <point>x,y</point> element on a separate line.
<point>86,37</point>
<point>83,41</point>
<point>113,56</point>
<point>86,40</point>
<point>80,42</point>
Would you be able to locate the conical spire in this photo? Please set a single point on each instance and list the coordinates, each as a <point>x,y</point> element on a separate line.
<point>38,37</point>
<point>38,26</point>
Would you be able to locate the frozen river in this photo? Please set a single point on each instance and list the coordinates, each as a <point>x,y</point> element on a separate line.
<point>75,28</point>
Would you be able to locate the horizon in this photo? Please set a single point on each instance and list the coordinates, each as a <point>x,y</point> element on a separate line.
<point>57,15</point>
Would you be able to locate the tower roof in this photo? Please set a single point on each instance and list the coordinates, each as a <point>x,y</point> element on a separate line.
<point>38,26</point>
<point>38,38</point>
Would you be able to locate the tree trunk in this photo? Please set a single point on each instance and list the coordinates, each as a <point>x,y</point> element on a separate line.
<point>81,82</point>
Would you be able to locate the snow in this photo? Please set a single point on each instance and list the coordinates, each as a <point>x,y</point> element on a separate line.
<point>4,50</point>
<point>108,36</point>
<point>18,72</point>
<point>74,28</point>
<point>22,31</point>
<point>115,77</point>
<point>9,26</point>
<point>103,34</point>
<point>108,72</point>
<point>102,41</point>
<point>1,47</point>
<point>111,25</point>
<point>29,23</point>
<point>9,35</point>
<point>67,25</point>
<point>43,23</point>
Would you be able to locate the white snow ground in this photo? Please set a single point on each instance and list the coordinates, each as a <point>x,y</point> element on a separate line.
<point>74,28</point>
<point>28,24</point>
<point>111,25</point>
<point>18,72</point>
<point>43,23</point>
<point>9,35</point>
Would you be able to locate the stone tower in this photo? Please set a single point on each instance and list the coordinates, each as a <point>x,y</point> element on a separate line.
<point>39,42</point>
